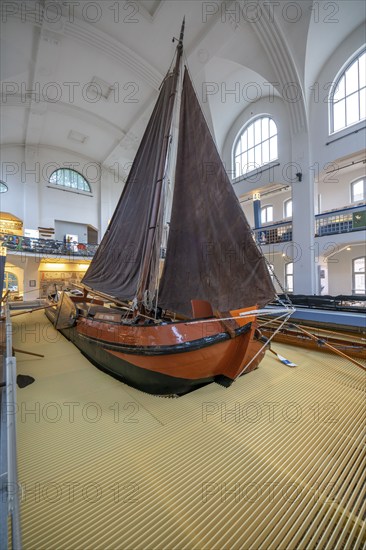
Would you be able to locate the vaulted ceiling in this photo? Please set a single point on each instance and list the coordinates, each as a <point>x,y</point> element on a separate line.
<point>83,76</point>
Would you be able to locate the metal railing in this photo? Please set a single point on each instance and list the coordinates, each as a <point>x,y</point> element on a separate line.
<point>9,477</point>
<point>275,233</point>
<point>345,220</point>
<point>46,247</point>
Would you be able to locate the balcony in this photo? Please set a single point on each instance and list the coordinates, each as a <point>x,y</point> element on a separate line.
<point>47,247</point>
<point>275,233</point>
<point>345,220</point>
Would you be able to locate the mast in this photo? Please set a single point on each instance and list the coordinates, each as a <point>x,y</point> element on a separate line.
<point>155,220</point>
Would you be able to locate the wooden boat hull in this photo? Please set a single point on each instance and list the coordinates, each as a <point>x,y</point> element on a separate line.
<point>172,358</point>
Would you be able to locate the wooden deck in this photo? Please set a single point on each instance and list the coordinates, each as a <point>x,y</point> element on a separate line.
<point>274,461</point>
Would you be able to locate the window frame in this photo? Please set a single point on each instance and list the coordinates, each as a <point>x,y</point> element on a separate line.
<point>285,203</point>
<point>252,165</point>
<point>363,179</point>
<point>265,208</point>
<point>342,74</point>
<point>70,189</point>
<point>354,273</point>
<point>289,276</point>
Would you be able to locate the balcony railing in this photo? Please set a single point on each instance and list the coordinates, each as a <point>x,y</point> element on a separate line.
<point>275,233</point>
<point>344,220</point>
<point>46,247</point>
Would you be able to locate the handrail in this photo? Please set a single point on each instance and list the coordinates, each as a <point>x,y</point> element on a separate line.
<point>19,243</point>
<point>9,475</point>
<point>340,210</point>
<point>273,225</point>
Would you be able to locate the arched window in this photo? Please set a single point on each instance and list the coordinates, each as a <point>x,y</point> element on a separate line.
<point>287,208</point>
<point>255,146</point>
<point>348,95</point>
<point>358,275</point>
<point>65,177</point>
<point>267,214</point>
<point>358,190</point>
<point>3,187</point>
<point>289,277</point>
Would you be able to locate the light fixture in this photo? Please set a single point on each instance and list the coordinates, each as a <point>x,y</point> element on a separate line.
<point>299,176</point>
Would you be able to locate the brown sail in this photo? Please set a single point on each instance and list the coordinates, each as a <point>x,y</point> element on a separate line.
<point>211,254</point>
<point>211,257</point>
<point>116,268</point>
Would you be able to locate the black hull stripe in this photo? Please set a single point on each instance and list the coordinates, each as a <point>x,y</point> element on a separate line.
<point>165,350</point>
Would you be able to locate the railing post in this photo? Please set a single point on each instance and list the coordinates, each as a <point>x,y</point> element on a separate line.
<point>10,486</point>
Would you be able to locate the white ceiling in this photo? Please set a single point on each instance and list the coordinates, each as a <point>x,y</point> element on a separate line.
<point>58,48</point>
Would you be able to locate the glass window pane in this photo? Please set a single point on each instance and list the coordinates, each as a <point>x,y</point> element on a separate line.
<point>257,131</point>
<point>251,159</point>
<point>340,90</point>
<point>358,191</point>
<point>69,178</point>
<point>359,265</point>
<point>352,110</point>
<point>265,152</point>
<point>265,128</point>
<point>362,103</point>
<point>258,155</point>
<point>250,136</point>
<point>255,140</point>
<point>273,154</point>
<point>244,162</point>
<point>352,78</point>
<point>272,128</point>
<point>362,69</point>
<point>288,208</point>
<point>339,115</point>
<point>238,168</point>
<point>237,149</point>
<point>360,283</point>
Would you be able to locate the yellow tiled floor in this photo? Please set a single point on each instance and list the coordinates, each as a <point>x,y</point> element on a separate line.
<point>275,461</point>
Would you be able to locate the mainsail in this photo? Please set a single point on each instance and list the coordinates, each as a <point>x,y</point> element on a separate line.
<point>211,254</point>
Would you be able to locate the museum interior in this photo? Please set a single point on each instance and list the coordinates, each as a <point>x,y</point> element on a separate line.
<point>276,459</point>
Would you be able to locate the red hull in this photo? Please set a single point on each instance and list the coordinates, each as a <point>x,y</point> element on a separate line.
<point>171,357</point>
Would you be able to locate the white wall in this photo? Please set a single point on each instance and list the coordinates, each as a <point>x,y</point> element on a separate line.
<point>335,189</point>
<point>60,204</point>
<point>318,120</point>
<point>277,110</point>
<point>340,269</point>
<point>32,199</point>
<point>12,159</point>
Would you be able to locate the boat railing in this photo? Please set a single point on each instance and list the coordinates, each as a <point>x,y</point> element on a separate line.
<point>47,247</point>
<point>344,220</point>
<point>280,232</point>
<point>9,507</point>
<point>342,302</point>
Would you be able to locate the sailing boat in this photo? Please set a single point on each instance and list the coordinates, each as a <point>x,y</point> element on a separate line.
<point>178,320</point>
